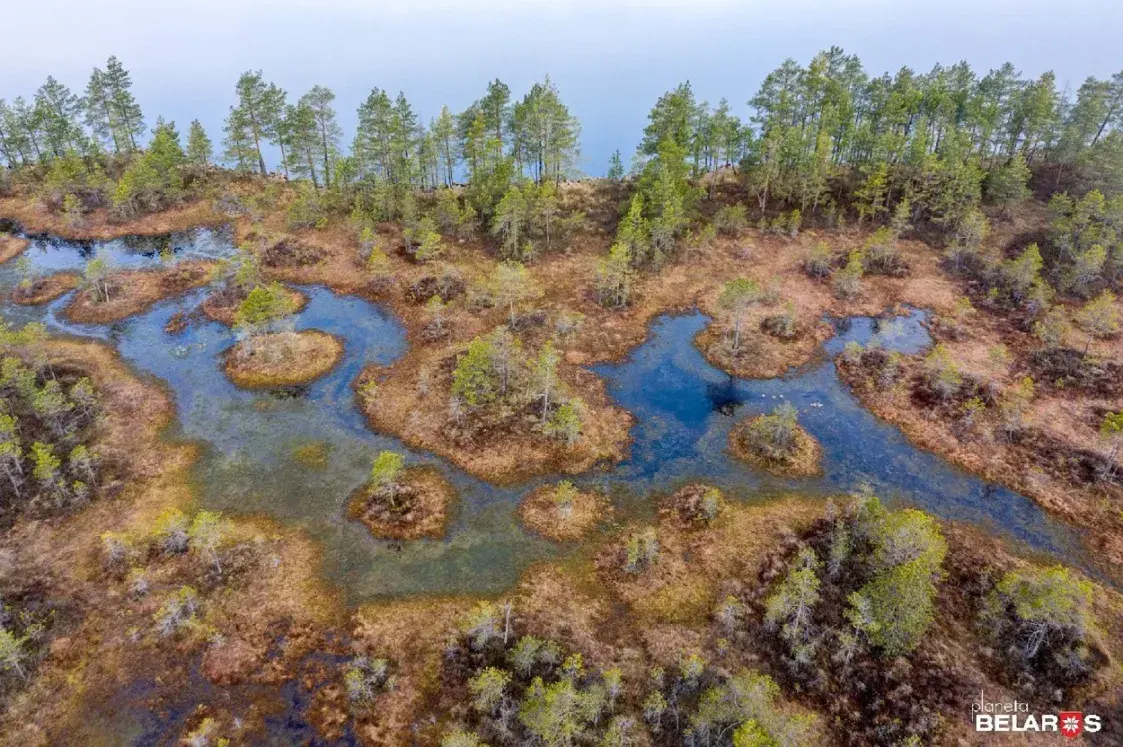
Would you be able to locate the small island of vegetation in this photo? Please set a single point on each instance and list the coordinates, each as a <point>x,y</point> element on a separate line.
<point>562,512</point>
<point>400,502</point>
<point>777,443</point>
<point>44,288</point>
<point>270,353</point>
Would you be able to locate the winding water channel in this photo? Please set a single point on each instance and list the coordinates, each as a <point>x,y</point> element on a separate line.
<point>684,409</point>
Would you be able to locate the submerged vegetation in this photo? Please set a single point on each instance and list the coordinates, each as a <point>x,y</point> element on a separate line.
<point>992,201</point>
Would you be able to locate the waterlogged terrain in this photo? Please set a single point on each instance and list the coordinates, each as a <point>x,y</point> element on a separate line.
<point>298,454</point>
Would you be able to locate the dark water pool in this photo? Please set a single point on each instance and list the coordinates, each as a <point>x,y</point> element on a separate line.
<point>684,409</point>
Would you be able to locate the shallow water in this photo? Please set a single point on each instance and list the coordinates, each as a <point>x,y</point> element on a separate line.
<point>684,409</point>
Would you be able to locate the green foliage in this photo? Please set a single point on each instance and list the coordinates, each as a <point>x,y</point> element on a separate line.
<point>895,608</point>
<point>559,713</point>
<point>750,701</point>
<point>255,120</point>
<point>774,436</point>
<point>473,380</point>
<point>790,606</point>
<point>870,198</point>
<point>1052,329</point>
<point>819,261</point>
<point>1023,272</point>
<point>200,151</point>
<point>172,530</point>
<point>564,495</point>
<point>641,550</point>
<point>565,423</point>
<point>461,738</point>
<point>615,167</point>
<point>1008,184</point>
<point>488,689</point>
<point>111,111</point>
<point>511,285</point>
<point>13,652</point>
<point>262,307</point>
<point>153,180</point>
<point>731,220</point>
<point>738,296</point>
<point>1087,237</point>
<point>363,677</point>
<point>386,470</point>
<point>1100,317</point>
<point>423,239</point>
<point>848,280</point>
<point>614,277</point>
<point>308,209</point>
<point>450,216</point>
<point>942,372</point>
<point>752,734</point>
<point>512,219</point>
<point>482,624</point>
<point>207,533</point>
<point>178,611</point>
<point>1046,606</point>
<point>46,469</point>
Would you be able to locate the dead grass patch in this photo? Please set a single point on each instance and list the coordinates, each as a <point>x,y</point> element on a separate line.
<point>542,514</point>
<point>11,247</point>
<point>34,218</point>
<point>281,359</point>
<point>45,289</point>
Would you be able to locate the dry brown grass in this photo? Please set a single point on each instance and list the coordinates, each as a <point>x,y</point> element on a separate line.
<point>134,291</point>
<point>34,218</point>
<point>542,515</point>
<point>1067,417</point>
<point>45,289</point>
<point>282,359</point>
<point>11,247</point>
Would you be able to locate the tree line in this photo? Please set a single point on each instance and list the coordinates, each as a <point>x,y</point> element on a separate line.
<point>825,140</point>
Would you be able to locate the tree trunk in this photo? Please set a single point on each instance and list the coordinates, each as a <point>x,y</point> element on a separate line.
<point>324,143</point>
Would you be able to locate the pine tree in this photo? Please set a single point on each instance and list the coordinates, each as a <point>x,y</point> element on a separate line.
<point>56,114</point>
<point>127,120</point>
<point>319,102</point>
<point>199,149</point>
<point>256,118</point>
<point>615,167</point>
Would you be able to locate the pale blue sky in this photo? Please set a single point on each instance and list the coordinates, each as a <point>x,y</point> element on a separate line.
<point>610,58</point>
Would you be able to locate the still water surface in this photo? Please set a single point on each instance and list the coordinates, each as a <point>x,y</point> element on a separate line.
<point>684,409</point>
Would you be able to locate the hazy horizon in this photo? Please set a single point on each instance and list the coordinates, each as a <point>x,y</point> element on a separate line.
<point>610,60</point>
